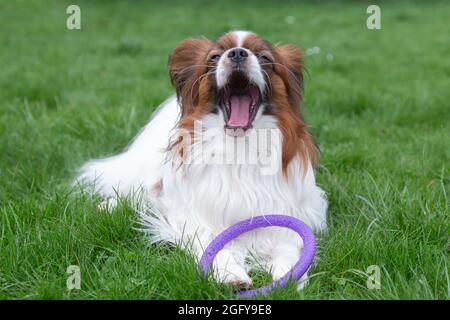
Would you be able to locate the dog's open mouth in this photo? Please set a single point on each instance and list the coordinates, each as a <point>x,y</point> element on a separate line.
<point>240,100</point>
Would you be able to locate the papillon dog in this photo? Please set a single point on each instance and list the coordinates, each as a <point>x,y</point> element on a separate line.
<point>230,145</point>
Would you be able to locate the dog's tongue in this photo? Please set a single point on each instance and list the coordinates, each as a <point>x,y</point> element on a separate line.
<point>240,110</point>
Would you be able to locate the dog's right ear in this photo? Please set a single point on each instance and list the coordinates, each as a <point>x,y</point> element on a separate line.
<point>290,67</point>
<point>188,62</point>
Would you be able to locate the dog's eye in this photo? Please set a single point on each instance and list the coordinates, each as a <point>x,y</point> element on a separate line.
<point>214,57</point>
<point>264,58</point>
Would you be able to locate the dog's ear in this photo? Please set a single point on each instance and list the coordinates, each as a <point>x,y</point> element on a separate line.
<point>186,63</point>
<point>290,68</point>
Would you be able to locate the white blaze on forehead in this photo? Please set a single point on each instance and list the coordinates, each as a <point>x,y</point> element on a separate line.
<point>240,37</point>
<point>253,68</point>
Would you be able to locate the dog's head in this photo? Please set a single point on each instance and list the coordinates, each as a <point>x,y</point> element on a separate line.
<point>243,77</point>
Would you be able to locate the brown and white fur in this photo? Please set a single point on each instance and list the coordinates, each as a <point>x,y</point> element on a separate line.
<point>233,86</point>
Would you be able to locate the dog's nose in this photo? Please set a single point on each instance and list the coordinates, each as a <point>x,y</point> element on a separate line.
<point>237,54</point>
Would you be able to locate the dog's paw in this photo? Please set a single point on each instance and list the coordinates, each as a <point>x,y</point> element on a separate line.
<point>229,268</point>
<point>282,266</point>
<point>241,281</point>
<point>235,276</point>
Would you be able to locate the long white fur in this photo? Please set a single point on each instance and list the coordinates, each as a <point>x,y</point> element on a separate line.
<point>198,201</point>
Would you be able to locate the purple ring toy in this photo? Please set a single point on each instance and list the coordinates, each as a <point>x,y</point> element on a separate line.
<point>272,220</point>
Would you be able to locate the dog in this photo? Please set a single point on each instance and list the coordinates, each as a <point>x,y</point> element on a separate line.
<point>186,172</point>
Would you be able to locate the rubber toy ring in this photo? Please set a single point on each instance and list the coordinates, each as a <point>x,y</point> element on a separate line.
<point>272,220</point>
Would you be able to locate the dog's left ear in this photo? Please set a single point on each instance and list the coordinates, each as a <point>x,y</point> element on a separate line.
<point>291,59</point>
<point>186,64</point>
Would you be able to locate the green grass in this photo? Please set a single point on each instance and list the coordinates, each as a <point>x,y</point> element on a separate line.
<point>380,111</point>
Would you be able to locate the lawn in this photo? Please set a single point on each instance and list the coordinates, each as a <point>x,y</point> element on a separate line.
<point>378,102</point>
